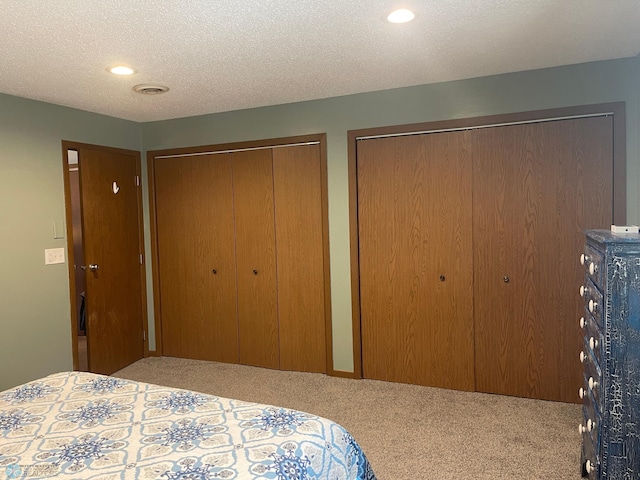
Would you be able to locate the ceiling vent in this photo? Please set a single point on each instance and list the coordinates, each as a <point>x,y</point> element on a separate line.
<point>151,89</point>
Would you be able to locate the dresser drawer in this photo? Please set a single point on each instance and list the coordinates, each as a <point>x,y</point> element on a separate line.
<point>592,339</point>
<point>591,422</point>
<point>590,396</point>
<point>590,458</point>
<point>593,262</point>
<point>593,302</point>
<point>592,380</point>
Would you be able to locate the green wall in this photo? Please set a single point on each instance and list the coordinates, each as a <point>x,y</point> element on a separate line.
<point>599,82</point>
<point>35,325</point>
<point>35,322</point>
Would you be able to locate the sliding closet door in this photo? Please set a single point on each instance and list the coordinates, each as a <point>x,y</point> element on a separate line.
<point>536,188</point>
<point>197,276</point>
<point>300,267</point>
<point>256,257</point>
<point>415,250</point>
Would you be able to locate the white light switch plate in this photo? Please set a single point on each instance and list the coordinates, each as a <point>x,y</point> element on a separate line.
<point>53,256</point>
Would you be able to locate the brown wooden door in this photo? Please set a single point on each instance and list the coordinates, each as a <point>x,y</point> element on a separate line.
<point>255,257</point>
<point>112,248</point>
<point>300,261</point>
<point>536,188</point>
<point>415,247</point>
<point>196,257</point>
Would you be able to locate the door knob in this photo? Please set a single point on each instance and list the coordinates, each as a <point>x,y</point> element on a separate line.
<point>94,267</point>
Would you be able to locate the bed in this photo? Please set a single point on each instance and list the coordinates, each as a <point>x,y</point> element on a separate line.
<point>81,425</point>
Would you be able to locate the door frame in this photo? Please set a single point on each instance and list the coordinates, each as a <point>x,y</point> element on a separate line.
<point>616,109</point>
<point>71,260</point>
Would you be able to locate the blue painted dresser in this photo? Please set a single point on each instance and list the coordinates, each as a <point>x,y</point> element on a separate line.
<point>610,426</point>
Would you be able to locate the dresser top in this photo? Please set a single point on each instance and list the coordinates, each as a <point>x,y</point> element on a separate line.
<point>606,236</point>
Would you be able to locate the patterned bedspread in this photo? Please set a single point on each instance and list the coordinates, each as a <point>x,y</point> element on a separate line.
<point>81,425</point>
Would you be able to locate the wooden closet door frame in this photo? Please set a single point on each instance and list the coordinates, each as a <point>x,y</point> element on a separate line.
<point>321,140</point>
<point>617,110</point>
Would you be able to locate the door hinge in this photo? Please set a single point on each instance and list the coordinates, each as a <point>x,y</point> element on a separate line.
<point>144,335</point>
<point>141,259</point>
<point>137,180</point>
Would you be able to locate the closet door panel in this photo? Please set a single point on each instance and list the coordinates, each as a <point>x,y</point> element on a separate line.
<point>299,244</point>
<point>256,258</point>
<point>194,216</point>
<point>415,248</point>
<point>536,188</point>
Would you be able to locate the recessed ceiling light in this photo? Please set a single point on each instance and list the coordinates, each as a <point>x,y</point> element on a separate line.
<point>402,15</point>
<point>121,70</point>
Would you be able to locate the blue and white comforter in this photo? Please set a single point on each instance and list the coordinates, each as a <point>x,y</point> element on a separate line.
<point>81,425</point>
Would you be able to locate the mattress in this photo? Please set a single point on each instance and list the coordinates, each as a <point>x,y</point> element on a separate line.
<point>86,426</point>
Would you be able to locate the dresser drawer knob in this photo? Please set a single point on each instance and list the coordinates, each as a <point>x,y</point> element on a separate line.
<point>581,392</point>
<point>593,268</point>
<point>593,306</point>
<point>582,322</point>
<point>581,357</point>
<point>591,425</point>
<point>593,343</point>
<point>583,258</point>
<point>589,466</point>
<point>582,290</point>
<point>581,429</point>
<point>592,383</point>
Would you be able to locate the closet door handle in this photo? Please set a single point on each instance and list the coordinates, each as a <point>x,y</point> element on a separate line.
<point>214,271</point>
<point>255,272</point>
<point>505,279</point>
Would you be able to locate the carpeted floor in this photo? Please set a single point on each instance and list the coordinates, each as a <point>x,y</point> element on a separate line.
<point>406,431</point>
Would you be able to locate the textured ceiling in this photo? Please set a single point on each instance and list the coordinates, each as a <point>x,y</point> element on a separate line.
<point>232,54</point>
